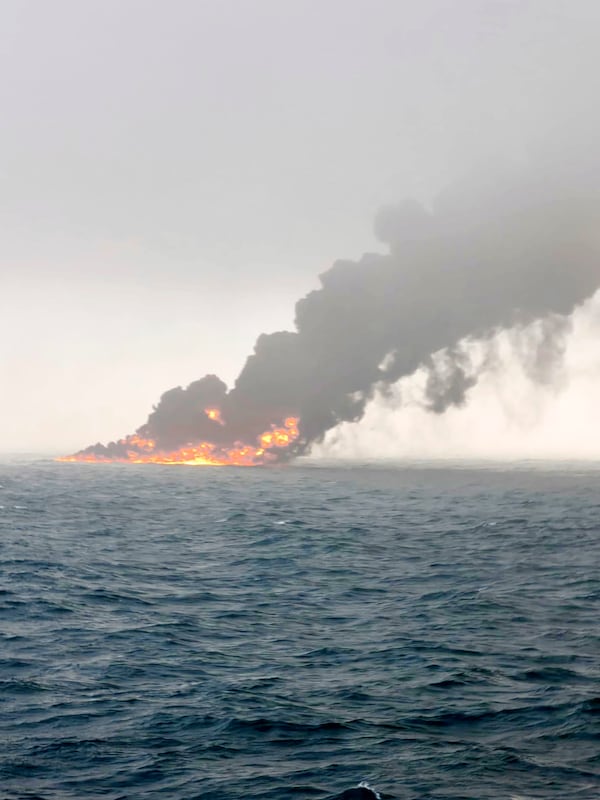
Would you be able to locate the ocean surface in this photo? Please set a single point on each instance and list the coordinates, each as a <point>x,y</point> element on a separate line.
<point>285,633</point>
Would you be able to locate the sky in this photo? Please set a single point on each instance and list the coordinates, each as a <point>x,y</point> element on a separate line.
<point>175,175</point>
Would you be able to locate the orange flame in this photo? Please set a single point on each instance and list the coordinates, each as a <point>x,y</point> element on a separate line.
<point>143,451</point>
<point>214,414</point>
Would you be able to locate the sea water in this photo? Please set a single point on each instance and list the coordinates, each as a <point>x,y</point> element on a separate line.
<point>181,633</point>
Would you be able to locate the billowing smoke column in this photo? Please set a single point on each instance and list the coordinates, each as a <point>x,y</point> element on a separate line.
<point>493,252</point>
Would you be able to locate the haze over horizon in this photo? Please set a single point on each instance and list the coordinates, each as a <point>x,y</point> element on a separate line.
<point>176,177</point>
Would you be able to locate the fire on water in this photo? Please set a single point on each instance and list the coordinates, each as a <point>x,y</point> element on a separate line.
<point>144,451</point>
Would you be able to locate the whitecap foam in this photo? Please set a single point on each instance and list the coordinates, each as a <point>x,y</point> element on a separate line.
<point>365,785</point>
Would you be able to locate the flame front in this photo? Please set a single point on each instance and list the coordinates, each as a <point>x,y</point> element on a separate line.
<point>144,451</point>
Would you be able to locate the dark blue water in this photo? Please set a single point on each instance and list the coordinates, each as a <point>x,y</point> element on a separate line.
<point>181,633</point>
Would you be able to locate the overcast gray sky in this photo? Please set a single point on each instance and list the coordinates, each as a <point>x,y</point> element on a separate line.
<point>175,174</point>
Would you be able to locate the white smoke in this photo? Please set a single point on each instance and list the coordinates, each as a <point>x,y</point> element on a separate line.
<point>510,412</point>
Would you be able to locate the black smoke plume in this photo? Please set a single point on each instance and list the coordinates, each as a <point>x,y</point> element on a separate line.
<point>493,252</point>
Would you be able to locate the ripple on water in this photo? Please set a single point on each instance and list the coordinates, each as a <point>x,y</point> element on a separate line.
<point>289,633</point>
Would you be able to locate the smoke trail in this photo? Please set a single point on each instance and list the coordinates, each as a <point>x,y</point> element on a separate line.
<point>539,347</point>
<point>501,249</point>
<point>510,413</point>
